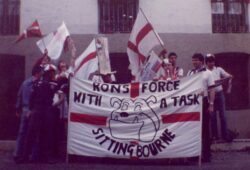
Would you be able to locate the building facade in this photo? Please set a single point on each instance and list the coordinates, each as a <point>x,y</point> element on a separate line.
<point>186,27</point>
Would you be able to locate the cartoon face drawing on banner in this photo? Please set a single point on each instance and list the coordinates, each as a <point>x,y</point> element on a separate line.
<point>133,119</point>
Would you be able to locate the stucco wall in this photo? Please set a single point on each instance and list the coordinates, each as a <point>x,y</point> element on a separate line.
<point>179,16</point>
<point>80,16</point>
<point>184,26</point>
<point>239,121</point>
<point>183,44</point>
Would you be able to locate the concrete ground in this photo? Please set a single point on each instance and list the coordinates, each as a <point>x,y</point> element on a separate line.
<point>220,161</point>
<point>233,159</point>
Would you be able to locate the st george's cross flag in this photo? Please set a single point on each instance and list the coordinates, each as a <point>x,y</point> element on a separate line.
<point>54,42</point>
<point>32,31</point>
<point>87,62</point>
<point>142,40</point>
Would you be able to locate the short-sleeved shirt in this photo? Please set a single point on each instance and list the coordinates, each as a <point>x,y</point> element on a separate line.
<point>219,73</point>
<point>207,76</point>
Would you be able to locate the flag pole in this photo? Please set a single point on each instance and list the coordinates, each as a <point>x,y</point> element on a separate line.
<point>162,45</point>
<point>99,70</point>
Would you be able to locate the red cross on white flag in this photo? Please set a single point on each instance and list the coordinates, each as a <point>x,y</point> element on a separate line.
<point>143,39</point>
<point>32,31</point>
<point>54,42</point>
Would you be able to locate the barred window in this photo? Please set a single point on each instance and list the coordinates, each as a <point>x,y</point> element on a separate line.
<point>229,16</point>
<point>9,17</point>
<point>117,15</point>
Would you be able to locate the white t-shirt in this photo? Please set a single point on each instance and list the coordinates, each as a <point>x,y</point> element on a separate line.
<point>162,75</point>
<point>208,79</point>
<point>219,73</point>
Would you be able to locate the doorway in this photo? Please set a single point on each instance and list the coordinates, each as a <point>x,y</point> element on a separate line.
<point>12,71</point>
<point>236,64</point>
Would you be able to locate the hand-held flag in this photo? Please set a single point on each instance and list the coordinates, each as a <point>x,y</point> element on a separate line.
<point>87,62</point>
<point>32,31</point>
<point>54,42</point>
<point>143,39</point>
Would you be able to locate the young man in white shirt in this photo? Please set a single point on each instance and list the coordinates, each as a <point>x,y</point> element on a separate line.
<point>219,74</point>
<point>208,102</point>
<point>177,71</point>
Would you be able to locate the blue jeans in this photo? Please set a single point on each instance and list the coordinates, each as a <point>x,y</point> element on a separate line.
<point>21,142</point>
<point>219,106</point>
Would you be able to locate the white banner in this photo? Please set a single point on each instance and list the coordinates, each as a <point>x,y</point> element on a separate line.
<point>149,120</point>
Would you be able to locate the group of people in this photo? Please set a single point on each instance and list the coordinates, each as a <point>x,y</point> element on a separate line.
<point>42,104</point>
<point>213,98</point>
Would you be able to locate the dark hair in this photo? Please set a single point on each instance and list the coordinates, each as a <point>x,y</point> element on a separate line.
<point>198,56</point>
<point>172,53</point>
<point>210,59</point>
<point>59,63</point>
<point>36,70</point>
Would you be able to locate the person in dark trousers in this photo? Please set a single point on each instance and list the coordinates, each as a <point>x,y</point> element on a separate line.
<point>208,102</point>
<point>23,111</point>
<point>42,117</point>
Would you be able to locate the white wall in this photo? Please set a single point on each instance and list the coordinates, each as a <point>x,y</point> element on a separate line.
<point>80,16</point>
<point>248,17</point>
<point>179,16</point>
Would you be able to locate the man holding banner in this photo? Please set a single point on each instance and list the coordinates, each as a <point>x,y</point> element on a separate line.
<point>208,102</point>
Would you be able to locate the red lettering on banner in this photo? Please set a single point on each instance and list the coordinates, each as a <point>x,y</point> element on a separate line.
<point>88,119</point>
<point>181,117</point>
<point>134,89</point>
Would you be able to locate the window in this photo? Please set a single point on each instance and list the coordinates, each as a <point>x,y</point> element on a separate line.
<point>13,65</point>
<point>229,16</point>
<point>117,15</point>
<point>9,17</point>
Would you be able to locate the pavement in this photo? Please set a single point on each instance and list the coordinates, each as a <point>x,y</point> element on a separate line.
<point>221,160</point>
